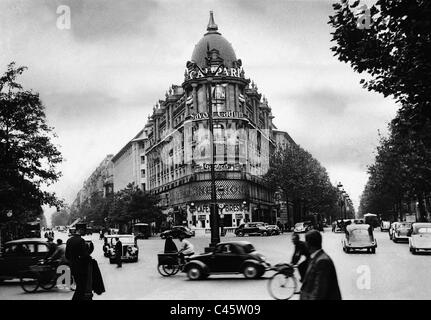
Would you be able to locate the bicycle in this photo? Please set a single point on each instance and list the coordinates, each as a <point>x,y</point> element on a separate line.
<point>170,264</point>
<point>43,274</point>
<point>283,284</point>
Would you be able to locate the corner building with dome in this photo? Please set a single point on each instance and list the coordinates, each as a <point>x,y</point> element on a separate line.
<point>177,144</point>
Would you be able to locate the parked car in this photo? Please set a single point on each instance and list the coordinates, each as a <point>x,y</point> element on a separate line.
<point>359,237</point>
<point>401,231</point>
<point>301,227</point>
<point>392,229</point>
<point>385,226</point>
<point>176,231</point>
<point>273,229</point>
<point>252,228</point>
<point>130,251</point>
<point>142,230</point>
<point>18,255</point>
<point>420,237</point>
<point>228,257</point>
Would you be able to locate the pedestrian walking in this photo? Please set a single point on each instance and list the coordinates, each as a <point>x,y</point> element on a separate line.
<point>301,251</point>
<point>320,281</point>
<point>118,252</point>
<point>78,255</point>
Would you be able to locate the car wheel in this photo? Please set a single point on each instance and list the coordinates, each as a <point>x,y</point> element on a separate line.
<point>250,271</point>
<point>347,250</point>
<point>413,250</point>
<point>373,250</point>
<point>240,234</point>
<point>194,272</point>
<point>111,261</point>
<point>265,233</point>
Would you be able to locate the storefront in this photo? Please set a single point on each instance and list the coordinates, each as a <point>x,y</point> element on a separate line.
<point>231,214</point>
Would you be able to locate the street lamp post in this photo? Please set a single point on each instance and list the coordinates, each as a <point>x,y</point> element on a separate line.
<point>214,217</point>
<point>340,198</point>
<point>215,232</point>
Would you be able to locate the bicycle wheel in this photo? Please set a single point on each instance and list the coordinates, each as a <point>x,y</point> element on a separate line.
<point>167,270</point>
<point>281,286</point>
<point>177,269</point>
<point>49,282</point>
<point>29,282</point>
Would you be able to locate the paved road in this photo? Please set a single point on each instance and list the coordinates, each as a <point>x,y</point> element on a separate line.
<point>394,273</point>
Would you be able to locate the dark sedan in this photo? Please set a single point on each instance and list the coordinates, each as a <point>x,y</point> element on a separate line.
<point>227,257</point>
<point>18,255</point>
<point>176,231</point>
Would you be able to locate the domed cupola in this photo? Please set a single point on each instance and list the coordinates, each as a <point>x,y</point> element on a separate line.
<point>210,41</point>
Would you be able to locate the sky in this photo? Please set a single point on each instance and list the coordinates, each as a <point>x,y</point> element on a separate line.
<point>100,78</point>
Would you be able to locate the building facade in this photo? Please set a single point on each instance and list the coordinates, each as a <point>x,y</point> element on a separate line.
<point>129,164</point>
<point>171,156</point>
<point>100,181</point>
<point>178,148</point>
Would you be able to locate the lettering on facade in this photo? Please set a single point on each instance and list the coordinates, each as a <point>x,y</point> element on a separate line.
<point>221,72</point>
<point>222,114</point>
<point>202,191</point>
<point>218,167</point>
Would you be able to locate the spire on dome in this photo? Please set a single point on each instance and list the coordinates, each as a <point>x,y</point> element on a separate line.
<point>211,24</point>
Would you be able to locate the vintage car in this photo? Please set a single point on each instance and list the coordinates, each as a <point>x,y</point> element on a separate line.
<point>359,237</point>
<point>142,230</point>
<point>18,255</point>
<point>301,227</point>
<point>130,251</point>
<point>420,237</point>
<point>176,231</point>
<point>252,228</point>
<point>401,231</point>
<point>228,257</point>
<point>385,226</point>
<point>273,229</point>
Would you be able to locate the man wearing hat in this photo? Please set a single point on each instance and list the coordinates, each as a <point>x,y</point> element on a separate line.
<point>78,255</point>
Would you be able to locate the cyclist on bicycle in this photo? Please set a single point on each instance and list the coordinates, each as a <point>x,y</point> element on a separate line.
<point>187,249</point>
<point>59,254</point>
<point>301,250</point>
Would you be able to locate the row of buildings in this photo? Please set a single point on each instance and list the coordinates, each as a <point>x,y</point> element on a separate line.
<point>171,155</point>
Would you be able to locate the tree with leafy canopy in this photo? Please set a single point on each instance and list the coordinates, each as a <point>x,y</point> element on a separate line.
<point>301,179</point>
<point>395,53</point>
<point>28,158</point>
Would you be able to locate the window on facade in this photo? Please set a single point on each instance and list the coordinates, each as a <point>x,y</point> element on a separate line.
<point>218,95</point>
<point>142,159</point>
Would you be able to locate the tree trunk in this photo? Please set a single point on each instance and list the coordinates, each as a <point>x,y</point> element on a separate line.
<point>421,208</point>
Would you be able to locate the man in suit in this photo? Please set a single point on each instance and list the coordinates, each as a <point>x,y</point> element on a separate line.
<point>118,252</point>
<point>78,255</point>
<point>320,280</point>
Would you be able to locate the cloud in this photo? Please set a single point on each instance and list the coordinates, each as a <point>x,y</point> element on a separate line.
<point>100,79</point>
